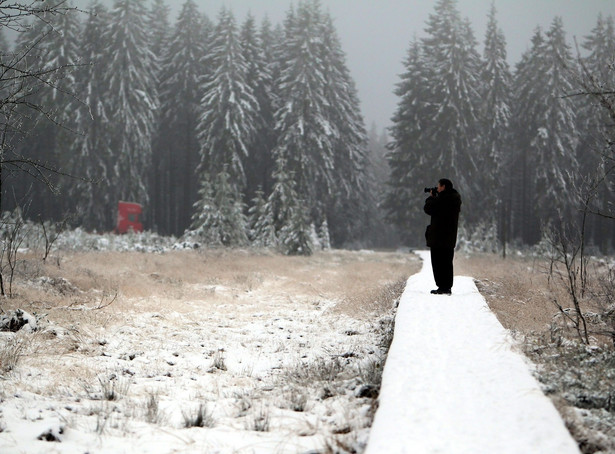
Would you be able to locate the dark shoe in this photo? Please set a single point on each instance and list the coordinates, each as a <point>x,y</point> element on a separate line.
<point>441,291</point>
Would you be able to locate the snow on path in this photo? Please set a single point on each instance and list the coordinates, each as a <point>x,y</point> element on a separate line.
<point>452,382</point>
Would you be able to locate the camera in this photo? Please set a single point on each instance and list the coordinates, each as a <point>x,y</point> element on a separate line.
<point>431,190</point>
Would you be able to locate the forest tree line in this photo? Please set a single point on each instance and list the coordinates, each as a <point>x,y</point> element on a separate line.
<point>244,133</point>
<point>234,133</point>
<point>522,144</point>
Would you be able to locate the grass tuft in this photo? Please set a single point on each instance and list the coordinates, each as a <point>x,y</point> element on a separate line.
<point>202,417</point>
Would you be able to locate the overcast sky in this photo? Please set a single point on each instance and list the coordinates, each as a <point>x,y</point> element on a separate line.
<point>376,34</point>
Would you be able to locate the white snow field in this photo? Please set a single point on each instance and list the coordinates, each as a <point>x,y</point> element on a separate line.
<point>453,382</point>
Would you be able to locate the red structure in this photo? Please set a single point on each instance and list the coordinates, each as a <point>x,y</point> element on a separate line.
<point>128,217</point>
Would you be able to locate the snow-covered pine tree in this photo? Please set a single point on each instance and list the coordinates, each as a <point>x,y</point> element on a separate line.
<point>219,218</point>
<point>436,125</point>
<point>598,73</point>
<point>259,163</point>
<point>206,221</point>
<point>555,138</point>
<point>176,150</point>
<point>527,87</point>
<point>496,79</point>
<point>229,202</point>
<point>306,136</point>
<point>159,29</point>
<point>600,44</point>
<point>381,232</point>
<point>454,67</point>
<point>410,148</point>
<point>262,228</point>
<point>57,38</point>
<point>296,236</point>
<point>324,238</point>
<point>287,212</point>
<point>91,151</point>
<point>544,129</point>
<point>350,204</point>
<point>132,100</point>
<point>227,123</point>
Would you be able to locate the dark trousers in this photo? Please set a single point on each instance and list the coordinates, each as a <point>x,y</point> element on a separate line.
<point>442,265</point>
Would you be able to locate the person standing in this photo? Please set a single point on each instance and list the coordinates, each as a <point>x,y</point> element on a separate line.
<point>443,205</point>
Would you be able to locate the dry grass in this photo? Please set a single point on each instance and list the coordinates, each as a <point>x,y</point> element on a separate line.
<point>84,294</point>
<point>516,289</point>
<point>143,281</point>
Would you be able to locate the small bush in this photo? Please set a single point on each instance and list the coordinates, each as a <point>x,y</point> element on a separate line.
<point>297,400</point>
<point>152,409</point>
<point>109,388</point>
<point>260,421</point>
<point>243,401</point>
<point>203,417</point>
<point>218,363</point>
<point>320,370</point>
<point>11,351</point>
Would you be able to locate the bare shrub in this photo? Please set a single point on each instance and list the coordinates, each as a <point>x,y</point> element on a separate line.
<point>13,235</point>
<point>202,417</point>
<point>109,388</point>
<point>370,372</point>
<point>602,318</point>
<point>104,417</point>
<point>243,401</point>
<point>12,348</point>
<point>152,409</point>
<point>297,399</point>
<point>320,370</point>
<point>260,421</point>
<point>218,362</point>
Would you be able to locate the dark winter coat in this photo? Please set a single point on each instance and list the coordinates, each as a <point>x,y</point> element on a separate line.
<point>444,210</point>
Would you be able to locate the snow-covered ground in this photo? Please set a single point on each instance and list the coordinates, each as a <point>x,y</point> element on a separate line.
<point>244,366</point>
<point>236,356</point>
<point>453,382</point>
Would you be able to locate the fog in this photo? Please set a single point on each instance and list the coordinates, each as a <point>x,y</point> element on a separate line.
<point>376,34</point>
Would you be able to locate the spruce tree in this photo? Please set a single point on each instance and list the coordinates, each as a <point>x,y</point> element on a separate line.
<point>410,148</point>
<point>351,202</point>
<point>436,126</point>
<point>227,123</point>
<point>287,213</point>
<point>296,236</point>
<point>596,73</point>
<point>595,146</point>
<point>262,228</point>
<point>54,40</point>
<point>555,139</point>
<point>207,220</point>
<point>306,135</point>
<point>496,79</point>
<point>133,100</point>
<point>219,218</point>
<point>528,108</point>
<point>454,66</point>
<point>176,149</point>
<point>159,30</point>
<point>546,138</point>
<point>229,202</point>
<point>91,151</point>
<point>259,163</point>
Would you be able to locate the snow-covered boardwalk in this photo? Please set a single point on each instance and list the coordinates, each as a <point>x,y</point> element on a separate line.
<point>453,383</point>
